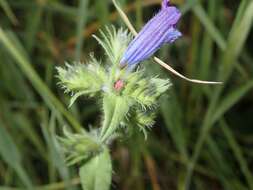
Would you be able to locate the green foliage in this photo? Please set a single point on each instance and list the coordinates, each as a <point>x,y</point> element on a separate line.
<point>79,147</point>
<point>81,79</point>
<point>121,91</point>
<point>143,119</point>
<point>115,110</point>
<point>96,174</point>
<point>145,91</point>
<point>93,80</point>
<point>5,6</point>
<point>37,36</point>
<point>114,42</point>
<point>228,60</point>
<point>11,155</point>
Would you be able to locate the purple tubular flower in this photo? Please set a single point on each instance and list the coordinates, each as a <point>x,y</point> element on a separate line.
<point>159,30</point>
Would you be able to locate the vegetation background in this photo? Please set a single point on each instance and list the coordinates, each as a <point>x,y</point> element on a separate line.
<point>209,125</point>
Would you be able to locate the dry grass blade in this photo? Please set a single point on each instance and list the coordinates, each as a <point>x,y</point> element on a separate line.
<point>169,68</point>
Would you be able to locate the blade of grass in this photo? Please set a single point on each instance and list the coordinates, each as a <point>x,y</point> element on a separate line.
<point>82,19</point>
<point>235,95</point>
<point>81,23</point>
<point>29,131</point>
<point>22,91</point>
<point>37,83</point>
<point>139,14</point>
<point>52,186</point>
<point>188,6</point>
<point>8,12</point>
<point>217,157</point>
<point>48,130</point>
<point>214,33</point>
<point>238,153</point>
<point>235,43</point>
<point>162,151</point>
<point>193,56</point>
<point>10,154</point>
<point>172,111</point>
<point>57,7</point>
<point>209,26</point>
<point>104,13</point>
<point>227,103</point>
<point>207,46</point>
<point>33,21</point>
<point>172,115</point>
<point>231,99</point>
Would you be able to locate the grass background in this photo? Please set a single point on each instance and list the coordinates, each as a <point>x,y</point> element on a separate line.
<point>203,134</point>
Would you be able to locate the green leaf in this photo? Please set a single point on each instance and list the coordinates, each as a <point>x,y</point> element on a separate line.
<point>108,109</point>
<point>174,121</point>
<point>236,42</point>
<point>10,154</point>
<point>8,11</point>
<point>114,43</point>
<point>96,174</point>
<point>102,8</point>
<point>79,146</point>
<point>8,149</point>
<point>231,99</point>
<point>145,91</point>
<point>237,153</point>
<point>56,160</point>
<point>237,39</point>
<point>208,24</point>
<point>82,19</point>
<point>12,45</point>
<point>33,23</point>
<point>115,109</point>
<point>82,79</point>
<point>144,120</point>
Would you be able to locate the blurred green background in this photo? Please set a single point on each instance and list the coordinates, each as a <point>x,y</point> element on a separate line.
<point>211,126</point>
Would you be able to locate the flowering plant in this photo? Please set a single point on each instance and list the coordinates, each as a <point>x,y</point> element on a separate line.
<point>129,97</point>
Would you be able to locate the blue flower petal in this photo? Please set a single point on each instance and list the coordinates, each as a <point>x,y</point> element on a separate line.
<point>159,30</point>
<point>172,35</point>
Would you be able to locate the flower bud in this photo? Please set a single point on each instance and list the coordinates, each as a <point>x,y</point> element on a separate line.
<point>159,30</point>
